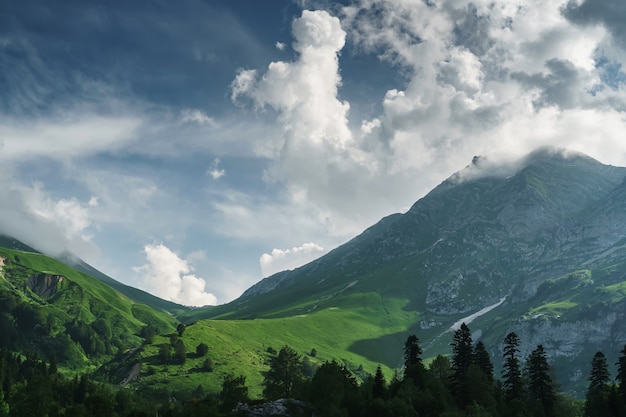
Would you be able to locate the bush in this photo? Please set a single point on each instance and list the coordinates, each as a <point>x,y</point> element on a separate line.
<point>201,350</point>
<point>207,365</point>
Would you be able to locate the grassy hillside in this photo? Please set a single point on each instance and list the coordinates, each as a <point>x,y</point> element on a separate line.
<point>50,309</point>
<point>361,336</point>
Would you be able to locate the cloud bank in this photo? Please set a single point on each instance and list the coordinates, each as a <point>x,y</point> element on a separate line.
<point>168,276</point>
<point>284,259</point>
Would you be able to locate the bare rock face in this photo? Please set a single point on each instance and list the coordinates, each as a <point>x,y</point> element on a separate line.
<point>44,285</point>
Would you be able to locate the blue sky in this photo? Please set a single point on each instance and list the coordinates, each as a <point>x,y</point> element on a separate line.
<point>191,148</point>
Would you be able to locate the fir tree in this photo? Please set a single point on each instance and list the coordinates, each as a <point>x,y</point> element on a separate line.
<point>621,374</point>
<point>483,360</point>
<point>462,357</point>
<point>540,384</point>
<point>284,375</point>
<point>511,373</point>
<point>379,389</point>
<point>413,367</point>
<point>597,400</point>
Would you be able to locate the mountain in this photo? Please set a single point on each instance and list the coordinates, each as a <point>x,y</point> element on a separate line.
<point>537,247</point>
<point>82,266</point>
<point>542,243</point>
<point>54,311</point>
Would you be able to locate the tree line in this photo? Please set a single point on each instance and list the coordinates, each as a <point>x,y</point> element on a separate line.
<point>463,384</point>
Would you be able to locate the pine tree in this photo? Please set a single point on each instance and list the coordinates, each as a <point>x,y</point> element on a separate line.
<point>413,367</point>
<point>332,388</point>
<point>379,389</point>
<point>540,384</point>
<point>284,375</point>
<point>234,391</point>
<point>462,357</point>
<point>483,360</point>
<point>511,373</point>
<point>621,374</point>
<point>599,377</point>
<point>597,400</point>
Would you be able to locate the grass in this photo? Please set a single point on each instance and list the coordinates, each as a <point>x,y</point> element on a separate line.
<point>241,347</point>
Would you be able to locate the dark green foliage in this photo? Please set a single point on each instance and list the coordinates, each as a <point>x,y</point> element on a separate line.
<point>234,391</point>
<point>441,369</point>
<point>207,365</point>
<point>148,332</point>
<point>180,353</point>
<point>599,377</point>
<point>462,357</point>
<point>284,375</point>
<point>308,367</point>
<point>541,389</point>
<point>334,389</point>
<point>165,353</point>
<point>512,375</point>
<point>413,367</point>
<point>379,388</point>
<point>313,353</point>
<point>201,350</point>
<point>180,329</point>
<point>597,400</point>
<point>621,374</point>
<point>483,360</point>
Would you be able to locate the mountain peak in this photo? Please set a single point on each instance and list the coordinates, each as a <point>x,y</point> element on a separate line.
<point>553,153</point>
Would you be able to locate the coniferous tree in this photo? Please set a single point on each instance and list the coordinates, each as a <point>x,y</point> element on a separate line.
<point>234,391</point>
<point>462,357</point>
<point>413,367</point>
<point>597,399</point>
<point>180,352</point>
<point>540,385</point>
<point>441,369</point>
<point>379,389</point>
<point>333,389</point>
<point>483,360</point>
<point>512,375</point>
<point>284,375</point>
<point>621,374</point>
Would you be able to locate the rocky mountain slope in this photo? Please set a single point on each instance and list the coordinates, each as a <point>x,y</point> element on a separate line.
<point>548,237</point>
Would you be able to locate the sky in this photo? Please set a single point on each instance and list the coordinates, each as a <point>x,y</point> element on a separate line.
<point>191,148</point>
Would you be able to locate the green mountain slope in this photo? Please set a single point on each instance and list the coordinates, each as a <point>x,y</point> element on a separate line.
<point>50,309</point>
<point>479,238</point>
<point>539,250</point>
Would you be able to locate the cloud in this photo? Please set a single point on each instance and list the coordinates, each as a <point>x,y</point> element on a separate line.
<point>196,116</point>
<point>214,171</point>
<point>284,259</point>
<point>610,13</point>
<point>280,46</point>
<point>168,276</point>
<point>65,136</point>
<point>52,226</point>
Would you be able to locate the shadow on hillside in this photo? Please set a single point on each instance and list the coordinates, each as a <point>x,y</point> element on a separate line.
<point>386,350</point>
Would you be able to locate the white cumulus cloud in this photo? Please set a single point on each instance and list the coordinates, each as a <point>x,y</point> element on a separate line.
<point>214,170</point>
<point>196,116</point>
<point>284,259</point>
<point>168,276</point>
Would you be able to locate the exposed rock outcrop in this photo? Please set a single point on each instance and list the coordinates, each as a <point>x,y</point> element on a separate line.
<point>44,285</point>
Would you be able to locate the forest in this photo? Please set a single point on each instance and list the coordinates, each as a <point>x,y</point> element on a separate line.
<point>463,384</point>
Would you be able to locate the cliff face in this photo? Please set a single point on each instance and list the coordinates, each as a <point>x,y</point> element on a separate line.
<point>44,285</point>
